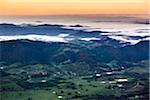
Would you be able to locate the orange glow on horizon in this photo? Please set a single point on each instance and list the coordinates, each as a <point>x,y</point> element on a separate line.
<point>48,7</point>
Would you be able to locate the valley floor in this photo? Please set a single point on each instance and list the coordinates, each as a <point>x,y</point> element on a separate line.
<point>97,86</point>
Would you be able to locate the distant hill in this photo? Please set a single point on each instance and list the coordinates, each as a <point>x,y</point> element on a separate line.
<point>30,52</point>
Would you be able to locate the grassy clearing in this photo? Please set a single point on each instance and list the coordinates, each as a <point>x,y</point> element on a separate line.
<point>87,88</point>
<point>25,95</point>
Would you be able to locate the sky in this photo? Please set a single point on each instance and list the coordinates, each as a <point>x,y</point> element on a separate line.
<point>58,7</point>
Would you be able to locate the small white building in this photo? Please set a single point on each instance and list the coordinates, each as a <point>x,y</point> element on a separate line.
<point>103,82</point>
<point>54,92</point>
<point>122,80</point>
<point>43,81</point>
<point>59,97</point>
<point>109,73</point>
<point>120,85</point>
<point>98,75</point>
<point>1,68</point>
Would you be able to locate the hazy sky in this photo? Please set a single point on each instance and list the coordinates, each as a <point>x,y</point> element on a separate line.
<point>47,7</point>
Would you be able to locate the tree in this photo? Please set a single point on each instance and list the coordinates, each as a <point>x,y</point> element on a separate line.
<point>69,93</point>
<point>29,98</point>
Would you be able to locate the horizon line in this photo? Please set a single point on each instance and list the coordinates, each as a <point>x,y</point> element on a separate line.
<point>73,14</point>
